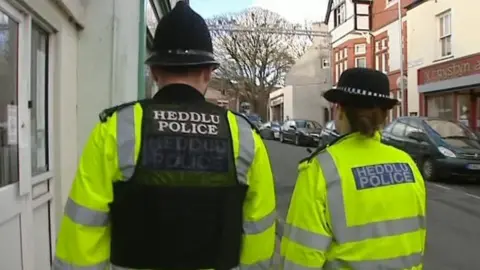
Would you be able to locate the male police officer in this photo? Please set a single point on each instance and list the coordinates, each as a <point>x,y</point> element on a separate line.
<point>172,182</point>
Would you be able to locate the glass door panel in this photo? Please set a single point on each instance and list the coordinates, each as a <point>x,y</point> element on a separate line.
<point>9,161</point>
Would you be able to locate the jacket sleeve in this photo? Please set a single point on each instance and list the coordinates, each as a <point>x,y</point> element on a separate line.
<point>307,235</point>
<point>259,207</point>
<point>84,237</point>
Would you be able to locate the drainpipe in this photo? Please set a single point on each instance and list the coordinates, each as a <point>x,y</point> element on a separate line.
<point>142,37</point>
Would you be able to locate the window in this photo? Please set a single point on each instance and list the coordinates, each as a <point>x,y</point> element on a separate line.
<point>360,49</point>
<point>345,52</point>
<point>338,72</point>
<point>341,54</point>
<point>325,63</point>
<point>345,65</point>
<point>440,106</point>
<point>8,101</point>
<point>39,109</point>
<point>361,62</point>
<point>339,14</point>
<point>384,63</point>
<point>398,129</point>
<point>445,33</point>
<point>377,61</point>
<point>336,57</point>
<point>378,46</point>
<point>384,44</point>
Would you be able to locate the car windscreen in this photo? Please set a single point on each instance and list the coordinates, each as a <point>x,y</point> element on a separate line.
<point>313,125</point>
<point>450,130</point>
<point>254,118</point>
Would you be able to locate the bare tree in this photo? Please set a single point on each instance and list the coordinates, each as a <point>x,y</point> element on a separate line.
<point>256,60</point>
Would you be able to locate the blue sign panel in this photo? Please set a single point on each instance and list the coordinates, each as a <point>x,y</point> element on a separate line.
<point>381,175</point>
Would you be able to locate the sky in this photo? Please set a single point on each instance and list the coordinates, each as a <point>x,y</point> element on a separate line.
<point>293,10</point>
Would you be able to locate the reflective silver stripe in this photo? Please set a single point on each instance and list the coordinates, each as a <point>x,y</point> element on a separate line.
<point>342,232</point>
<point>126,141</point>
<point>404,262</point>
<point>289,265</point>
<point>85,216</point>
<point>255,227</point>
<point>306,238</point>
<point>263,265</point>
<point>246,149</point>
<point>59,264</point>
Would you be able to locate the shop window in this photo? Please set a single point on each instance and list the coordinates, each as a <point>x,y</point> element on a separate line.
<point>39,101</point>
<point>463,109</point>
<point>8,100</point>
<point>445,33</point>
<point>440,106</point>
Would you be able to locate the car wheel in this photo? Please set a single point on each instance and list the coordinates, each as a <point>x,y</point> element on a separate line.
<point>428,170</point>
<point>297,140</point>
<point>281,138</point>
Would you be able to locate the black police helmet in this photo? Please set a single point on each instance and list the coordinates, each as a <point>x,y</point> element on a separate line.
<point>182,39</point>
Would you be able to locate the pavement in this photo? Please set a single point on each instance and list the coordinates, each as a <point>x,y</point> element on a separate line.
<point>453,212</point>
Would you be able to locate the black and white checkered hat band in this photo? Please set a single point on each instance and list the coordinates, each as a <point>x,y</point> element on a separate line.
<point>362,92</point>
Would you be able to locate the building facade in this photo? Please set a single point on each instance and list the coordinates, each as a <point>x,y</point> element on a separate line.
<point>366,33</point>
<point>306,81</point>
<point>444,59</point>
<point>61,63</point>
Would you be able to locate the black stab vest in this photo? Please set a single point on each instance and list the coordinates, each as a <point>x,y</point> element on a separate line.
<point>182,208</point>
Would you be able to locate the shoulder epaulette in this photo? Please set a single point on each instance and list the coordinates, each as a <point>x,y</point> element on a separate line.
<point>320,149</point>
<point>107,113</point>
<point>254,127</point>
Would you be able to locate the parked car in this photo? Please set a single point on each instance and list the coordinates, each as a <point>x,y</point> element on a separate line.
<point>443,149</point>
<point>255,119</point>
<point>301,132</point>
<point>329,133</point>
<point>270,130</point>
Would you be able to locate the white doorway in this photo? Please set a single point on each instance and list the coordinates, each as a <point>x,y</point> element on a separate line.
<point>25,155</point>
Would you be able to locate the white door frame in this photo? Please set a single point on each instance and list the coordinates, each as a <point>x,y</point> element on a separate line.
<point>20,199</point>
<point>18,196</point>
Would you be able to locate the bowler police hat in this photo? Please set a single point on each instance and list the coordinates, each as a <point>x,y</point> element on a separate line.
<point>182,38</point>
<point>362,88</point>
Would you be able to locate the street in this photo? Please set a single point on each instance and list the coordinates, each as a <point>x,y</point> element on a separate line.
<point>453,212</point>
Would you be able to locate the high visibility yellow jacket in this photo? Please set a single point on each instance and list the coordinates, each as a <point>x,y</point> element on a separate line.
<point>84,237</point>
<point>358,204</point>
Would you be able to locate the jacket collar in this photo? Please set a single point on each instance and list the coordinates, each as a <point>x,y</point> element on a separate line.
<point>178,93</point>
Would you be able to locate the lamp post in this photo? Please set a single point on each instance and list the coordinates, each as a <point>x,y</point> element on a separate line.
<point>400,32</point>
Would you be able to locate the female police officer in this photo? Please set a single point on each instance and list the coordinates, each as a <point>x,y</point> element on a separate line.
<point>357,204</point>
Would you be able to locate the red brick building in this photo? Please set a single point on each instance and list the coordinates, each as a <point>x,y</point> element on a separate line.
<point>366,33</point>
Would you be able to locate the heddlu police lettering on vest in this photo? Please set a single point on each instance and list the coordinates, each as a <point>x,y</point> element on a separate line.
<point>381,175</point>
<point>187,122</point>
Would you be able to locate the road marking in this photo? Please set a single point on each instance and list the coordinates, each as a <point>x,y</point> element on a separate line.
<point>441,186</point>
<point>457,190</point>
<point>473,196</point>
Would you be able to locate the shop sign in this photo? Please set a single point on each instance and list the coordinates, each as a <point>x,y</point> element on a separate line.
<point>276,101</point>
<point>457,68</point>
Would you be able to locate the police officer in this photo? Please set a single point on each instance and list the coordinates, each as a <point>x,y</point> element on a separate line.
<point>172,182</point>
<point>358,204</point>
